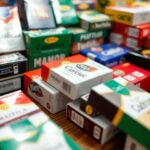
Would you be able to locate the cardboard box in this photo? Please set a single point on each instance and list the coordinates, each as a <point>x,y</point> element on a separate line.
<point>141,59</point>
<point>130,15</point>
<point>10,84</point>
<point>75,76</point>
<point>127,106</point>
<point>85,107</point>
<point>11,37</point>
<point>134,74</point>
<point>36,61</point>
<point>139,31</point>
<point>43,93</point>
<point>98,128</point>
<point>7,2</point>
<point>15,106</point>
<point>12,64</point>
<point>41,42</point>
<point>106,54</point>
<point>77,47</point>
<point>37,15</point>
<point>91,20</point>
<point>132,144</point>
<point>126,41</point>
<point>35,132</point>
<point>81,5</point>
<point>65,13</point>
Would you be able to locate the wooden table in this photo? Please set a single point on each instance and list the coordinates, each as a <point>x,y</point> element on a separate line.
<point>83,139</point>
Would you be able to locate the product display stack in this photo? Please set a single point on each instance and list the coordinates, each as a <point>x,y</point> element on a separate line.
<point>74,71</point>
<point>130,27</point>
<point>12,62</point>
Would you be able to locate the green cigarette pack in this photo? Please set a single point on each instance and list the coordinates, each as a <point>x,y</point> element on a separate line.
<point>79,34</point>
<point>126,106</point>
<point>41,42</point>
<point>36,61</point>
<point>91,20</point>
<point>36,132</point>
<point>65,12</point>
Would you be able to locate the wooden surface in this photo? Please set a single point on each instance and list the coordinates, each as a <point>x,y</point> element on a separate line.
<point>83,139</point>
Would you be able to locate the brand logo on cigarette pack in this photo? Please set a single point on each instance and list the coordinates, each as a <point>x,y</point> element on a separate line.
<point>51,40</point>
<point>86,67</point>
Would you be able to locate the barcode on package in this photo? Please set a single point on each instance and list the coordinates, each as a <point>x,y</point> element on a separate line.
<point>10,85</point>
<point>77,119</point>
<point>66,87</point>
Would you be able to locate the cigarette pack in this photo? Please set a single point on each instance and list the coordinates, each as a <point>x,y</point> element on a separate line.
<point>139,31</point>
<point>7,2</point>
<point>11,37</point>
<point>106,54</point>
<point>41,42</point>
<point>11,84</point>
<point>79,34</point>
<point>36,61</point>
<point>126,41</point>
<point>91,20</point>
<point>134,74</point>
<point>65,12</point>
<point>132,144</point>
<point>43,93</point>
<point>12,64</point>
<point>15,106</point>
<point>81,5</point>
<point>77,47</point>
<point>141,59</point>
<point>127,105</point>
<point>85,107</point>
<point>98,128</point>
<point>36,132</point>
<point>130,15</point>
<point>75,76</point>
<point>36,14</point>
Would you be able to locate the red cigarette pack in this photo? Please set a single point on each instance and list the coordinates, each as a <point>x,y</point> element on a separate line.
<point>134,74</point>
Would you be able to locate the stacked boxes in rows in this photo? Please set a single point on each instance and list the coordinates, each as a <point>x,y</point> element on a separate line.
<point>25,126</point>
<point>12,62</point>
<point>131,26</point>
<point>43,93</point>
<point>75,76</point>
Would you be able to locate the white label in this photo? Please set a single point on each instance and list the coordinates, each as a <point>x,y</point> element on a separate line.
<point>10,85</point>
<point>129,78</point>
<point>116,38</point>
<point>138,74</point>
<point>97,132</point>
<point>132,43</point>
<point>77,119</point>
<point>133,32</point>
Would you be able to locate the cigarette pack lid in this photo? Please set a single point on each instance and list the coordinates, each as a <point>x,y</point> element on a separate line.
<point>93,16</point>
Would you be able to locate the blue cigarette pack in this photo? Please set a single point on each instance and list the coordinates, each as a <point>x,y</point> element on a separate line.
<point>106,54</point>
